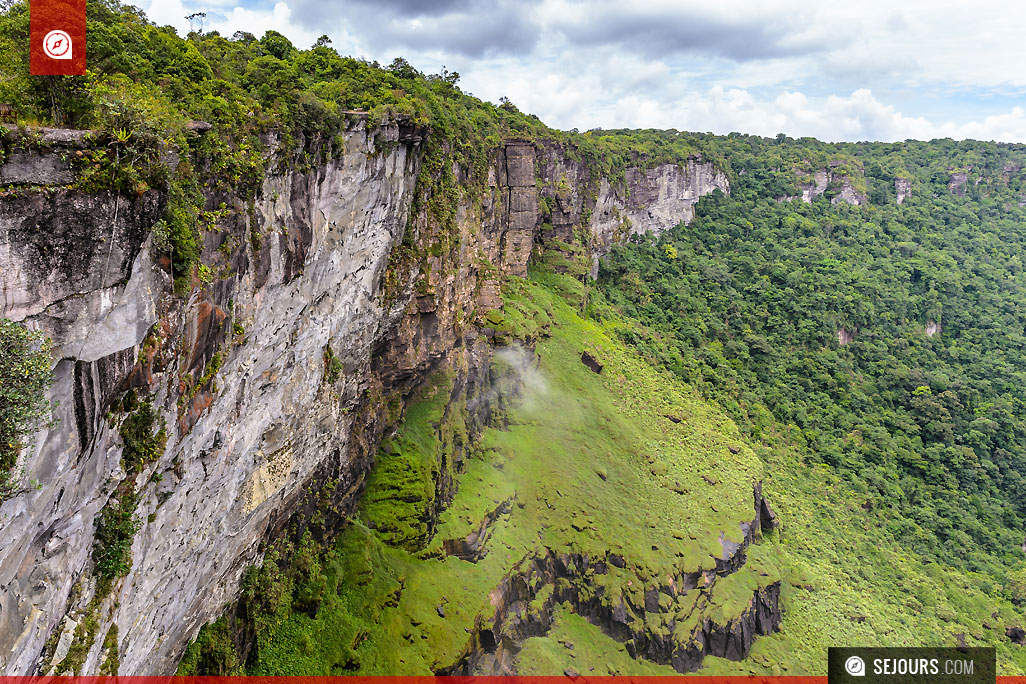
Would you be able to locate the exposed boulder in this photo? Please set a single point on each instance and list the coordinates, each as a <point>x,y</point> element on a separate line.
<point>957,181</point>
<point>591,362</point>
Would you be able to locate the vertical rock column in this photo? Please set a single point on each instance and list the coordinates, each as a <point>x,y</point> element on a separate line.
<point>522,208</point>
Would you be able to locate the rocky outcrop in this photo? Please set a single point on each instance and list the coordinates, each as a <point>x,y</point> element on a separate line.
<point>553,196</point>
<point>45,160</point>
<point>957,181</point>
<point>655,200</point>
<point>902,189</point>
<point>271,374</point>
<point>669,622</point>
<point>829,180</point>
<point>473,547</point>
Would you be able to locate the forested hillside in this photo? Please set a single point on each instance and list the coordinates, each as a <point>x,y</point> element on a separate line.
<point>887,340</point>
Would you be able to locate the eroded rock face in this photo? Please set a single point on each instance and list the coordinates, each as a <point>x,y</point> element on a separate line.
<point>902,188</point>
<point>668,623</point>
<point>34,167</point>
<point>240,369</point>
<point>76,267</point>
<point>657,200</point>
<point>237,465</point>
<point>957,182</point>
<point>825,179</point>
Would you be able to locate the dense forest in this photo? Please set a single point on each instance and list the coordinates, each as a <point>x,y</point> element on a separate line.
<point>888,338</point>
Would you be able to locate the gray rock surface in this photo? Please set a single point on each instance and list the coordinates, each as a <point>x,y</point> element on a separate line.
<point>33,168</point>
<point>302,270</point>
<point>823,179</point>
<point>902,188</point>
<point>957,182</point>
<point>658,200</point>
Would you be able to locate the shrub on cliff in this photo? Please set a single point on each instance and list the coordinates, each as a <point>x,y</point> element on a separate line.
<point>120,104</point>
<point>25,375</point>
<point>115,529</point>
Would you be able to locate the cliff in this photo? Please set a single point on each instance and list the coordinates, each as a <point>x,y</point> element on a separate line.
<point>838,185</point>
<point>331,293</point>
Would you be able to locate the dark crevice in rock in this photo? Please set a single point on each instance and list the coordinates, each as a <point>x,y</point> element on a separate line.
<point>524,610</point>
<point>95,384</point>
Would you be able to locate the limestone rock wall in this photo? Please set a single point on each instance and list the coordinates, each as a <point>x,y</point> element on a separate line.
<point>239,369</point>
<point>902,189</point>
<point>241,446</point>
<point>822,180</point>
<point>654,200</point>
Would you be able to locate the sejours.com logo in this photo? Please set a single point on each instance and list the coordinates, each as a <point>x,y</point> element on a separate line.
<point>876,665</point>
<point>855,666</point>
<point>57,45</point>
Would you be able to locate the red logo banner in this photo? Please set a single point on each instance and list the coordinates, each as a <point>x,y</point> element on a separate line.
<point>57,37</point>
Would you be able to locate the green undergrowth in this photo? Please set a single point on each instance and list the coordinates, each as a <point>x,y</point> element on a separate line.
<point>25,376</point>
<point>587,461</point>
<point>402,490</point>
<point>576,645</point>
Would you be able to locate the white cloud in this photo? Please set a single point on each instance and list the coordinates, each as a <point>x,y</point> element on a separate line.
<point>227,17</point>
<point>872,70</point>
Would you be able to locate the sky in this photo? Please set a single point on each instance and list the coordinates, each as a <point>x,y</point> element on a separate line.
<point>866,70</point>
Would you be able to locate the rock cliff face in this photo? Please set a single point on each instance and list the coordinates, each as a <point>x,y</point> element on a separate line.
<point>902,189</point>
<point>958,181</point>
<point>826,179</point>
<point>660,198</point>
<point>270,375</point>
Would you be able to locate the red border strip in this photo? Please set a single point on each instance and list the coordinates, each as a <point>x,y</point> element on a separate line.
<point>582,679</point>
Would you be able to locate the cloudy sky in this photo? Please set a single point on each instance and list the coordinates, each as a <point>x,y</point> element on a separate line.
<point>866,70</point>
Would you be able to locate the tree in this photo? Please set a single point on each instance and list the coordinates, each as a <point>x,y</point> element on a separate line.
<point>25,376</point>
<point>1017,585</point>
<point>196,21</point>
<point>403,69</point>
<point>277,45</point>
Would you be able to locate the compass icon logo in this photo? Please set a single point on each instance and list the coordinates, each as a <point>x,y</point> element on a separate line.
<point>57,45</point>
<point>855,666</point>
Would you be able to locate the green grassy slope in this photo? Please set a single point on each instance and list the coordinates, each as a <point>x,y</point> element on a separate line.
<point>591,463</point>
